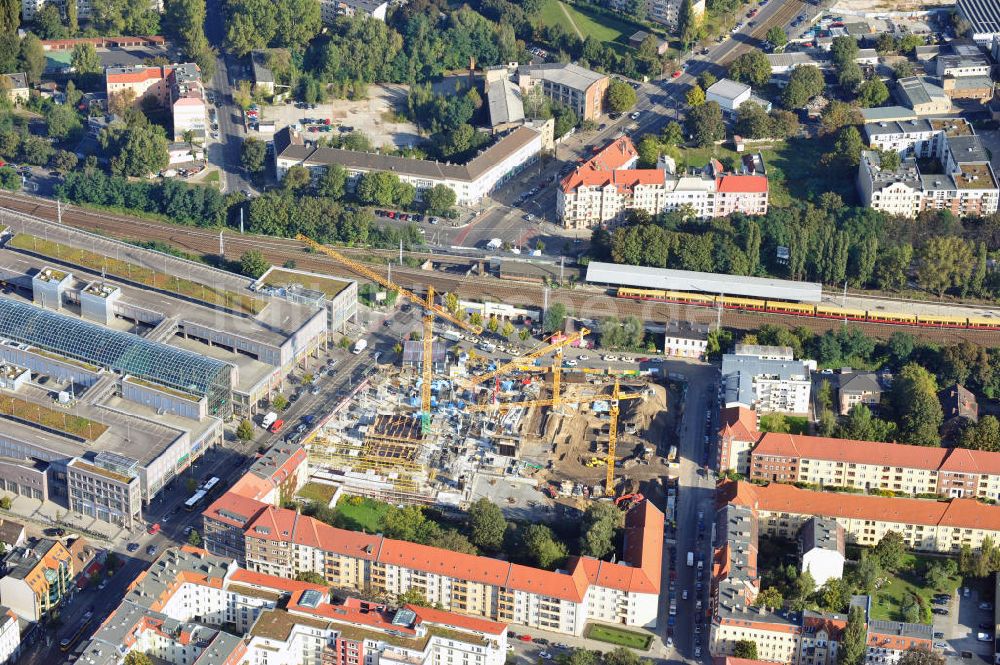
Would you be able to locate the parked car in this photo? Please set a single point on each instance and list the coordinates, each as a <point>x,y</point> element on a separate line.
<point>940,611</point>
<point>151,550</point>
<point>132,547</point>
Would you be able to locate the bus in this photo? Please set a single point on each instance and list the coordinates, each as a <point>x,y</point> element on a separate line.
<point>67,643</point>
<point>209,485</point>
<point>194,501</point>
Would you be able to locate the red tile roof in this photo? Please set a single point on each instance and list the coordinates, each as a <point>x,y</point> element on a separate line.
<point>234,509</point>
<point>139,75</point>
<point>848,450</point>
<point>624,180</point>
<point>251,578</point>
<point>956,460</point>
<point>741,184</point>
<point>442,618</point>
<point>596,170</point>
<point>639,572</point>
<point>739,423</point>
<point>963,513</point>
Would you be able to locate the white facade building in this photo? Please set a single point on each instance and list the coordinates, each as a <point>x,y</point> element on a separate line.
<point>766,385</point>
<point>471,181</point>
<point>821,547</point>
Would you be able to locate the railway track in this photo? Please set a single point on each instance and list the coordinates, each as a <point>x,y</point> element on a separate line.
<point>582,302</point>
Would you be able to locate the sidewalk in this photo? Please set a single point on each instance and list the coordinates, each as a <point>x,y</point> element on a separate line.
<point>47,514</point>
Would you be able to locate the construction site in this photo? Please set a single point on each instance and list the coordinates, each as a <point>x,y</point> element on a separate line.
<point>529,431</point>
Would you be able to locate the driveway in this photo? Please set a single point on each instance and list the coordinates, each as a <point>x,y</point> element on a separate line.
<point>961,626</point>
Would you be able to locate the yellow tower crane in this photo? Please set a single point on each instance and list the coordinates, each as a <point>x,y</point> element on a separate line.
<point>430,311</point>
<point>615,399</point>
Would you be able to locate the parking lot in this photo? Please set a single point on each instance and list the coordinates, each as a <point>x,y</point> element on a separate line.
<point>967,617</point>
<point>373,116</point>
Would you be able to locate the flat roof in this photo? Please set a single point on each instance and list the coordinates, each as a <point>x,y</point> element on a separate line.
<point>984,15</point>
<point>705,282</point>
<point>728,88</point>
<point>567,74</point>
<point>282,277</point>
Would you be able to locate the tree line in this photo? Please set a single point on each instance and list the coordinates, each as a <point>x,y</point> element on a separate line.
<point>826,241</point>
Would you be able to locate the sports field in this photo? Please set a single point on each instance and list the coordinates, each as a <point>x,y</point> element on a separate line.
<point>583,22</point>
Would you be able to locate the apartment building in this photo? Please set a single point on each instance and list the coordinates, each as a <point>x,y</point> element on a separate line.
<point>472,181</point>
<point>106,487</point>
<point>665,11</point>
<point>766,386</point>
<point>38,578</point>
<point>821,549</point>
<point>284,543</point>
<point>870,466</point>
<point>330,9</point>
<point>819,642</point>
<point>604,188</point>
<point>19,93</point>
<point>181,608</point>
<point>684,339</point>
<point>580,89</point>
<point>737,436</point>
<point>926,525</point>
<point>958,64</point>
<point>176,87</point>
<point>922,138</point>
<point>30,8</point>
<point>10,636</point>
<point>967,185</point>
<point>279,472</point>
<point>889,640</point>
<point>855,388</point>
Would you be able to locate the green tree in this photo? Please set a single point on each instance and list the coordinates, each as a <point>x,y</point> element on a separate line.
<point>32,57</point>
<point>620,97</point>
<point>673,133</point>
<point>48,23</point>
<point>853,642</point>
<point>332,182</point>
<point>297,178</point>
<point>253,264</point>
<point>770,598</point>
<point>838,114</point>
<point>311,576</point>
<point>844,49</point>
<point>944,263</point>
<point>776,35</point>
<point>508,329</point>
<point>600,523</point>
<point>873,92</point>
<point>10,17</point>
<point>541,547</point>
<point>705,124</point>
<point>621,656</point>
<point>244,432</point>
<point>835,594</point>
<point>850,77</point>
<point>982,435</point>
<point>253,154</point>
<point>377,188</point>
<point>137,658</point>
<point>412,596</point>
<point>194,538</point>
<point>695,96</point>
<point>752,68</point>
<point>9,179</point>
<point>649,151</point>
<point>439,199</point>
<point>64,161</point>
<point>804,83</point>
<point>297,22</point>
<point>35,150</point>
<point>706,79</point>
<point>555,315</point>
<point>487,525</point>
<point>890,551</point>
<point>139,150</point>
<point>62,122</point>
<point>861,425</point>
<point>85,59</point>
<point>918,656</point>
<point>753,122</point>
<point>916,407</point>
<point>849,145</point>
<point>745,649</point>
<point>903,69</point>
<point>687,24</point>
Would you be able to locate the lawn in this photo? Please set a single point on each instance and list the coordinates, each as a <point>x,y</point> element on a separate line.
<point>793,165</point>
<point>362,514</point>
<point>317,493</point>
<point>607,29</point>
<point>888,602</point>
<point>776,422</point>
<point>619,636</point>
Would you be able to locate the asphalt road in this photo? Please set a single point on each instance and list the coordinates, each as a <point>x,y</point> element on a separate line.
<point>225,152</point>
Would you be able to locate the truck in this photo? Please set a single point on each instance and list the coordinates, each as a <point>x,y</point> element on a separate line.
<point>690,558</point>
<point>359,346</point>
<point>451,336</point>
<point>268,419</point>
<point>488,347</point>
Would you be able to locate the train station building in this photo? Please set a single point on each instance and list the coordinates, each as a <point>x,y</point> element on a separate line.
<point>119,365</point>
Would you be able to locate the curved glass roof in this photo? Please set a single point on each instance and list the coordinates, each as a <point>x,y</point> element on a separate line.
<point>117,351</point>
